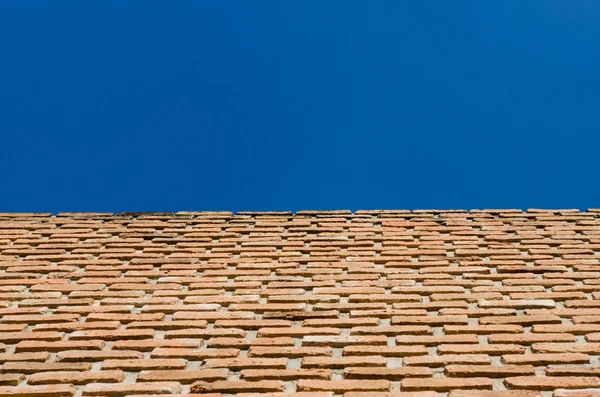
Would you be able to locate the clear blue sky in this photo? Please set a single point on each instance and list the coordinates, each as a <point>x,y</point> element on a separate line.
<point>288,105</point>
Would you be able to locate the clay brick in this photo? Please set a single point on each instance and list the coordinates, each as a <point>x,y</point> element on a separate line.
<point>291,352</point>
<point>341,386</point>
<point>33,367</point>
<point>441,384</point>
<point>436,340</point>
<point>386,373</point>
<point>183,376</point>
<point>483,329</point>
<point>112,335</point>
<point>151,344</point>
<point>37,356</point>
<point>241,363</point>
<point>392,394</point>
<point>11,379</point>
<point>38,391</point>
<point>393,351</point>
<point>343,362</point>
<point>392,330</point>
<point>493,349</point>
<point>123,389</point>
<point>227,386</point>
<point>498,393</point>
<point>441,360</point>
<point>92,355</point>
<point>341,341</point>
<point>194,354</point>
<point>143,364</point>
<point>76,378</point>
<point>530,338</point>
<point>542,359</point>
<point>297,332</point>
<point>589,348</point>
<point>489,371</point>
<point>551,383</point>
<point>285,374</point>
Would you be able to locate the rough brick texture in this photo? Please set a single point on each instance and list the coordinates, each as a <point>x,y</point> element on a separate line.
<point>490,303</point>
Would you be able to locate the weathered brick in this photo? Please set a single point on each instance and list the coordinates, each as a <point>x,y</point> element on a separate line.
<point>76,378</point>
<point>551,383</point>
<point>124,389</point>
<point>341,386</point>
<point>183,376</point>
<point>38,391</point>
<point>227,386</point>
<point>446,384</point>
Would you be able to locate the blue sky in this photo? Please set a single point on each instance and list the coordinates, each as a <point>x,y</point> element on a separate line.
<point>288,105</point>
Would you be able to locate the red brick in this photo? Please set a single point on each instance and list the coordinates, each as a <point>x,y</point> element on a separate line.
<point>33,367</point>
<point>551,383</point>
<point>39,391</point>
<point>228,386</point>
<point>76,378</point>
<point>285,374</point>
<point>386,373</point>
<point>543,359</point>
<point>183,376</point>
<point>446,384</point>
<point>28,346</point>
<point>489,371</point>
<point>498,393</point>
<point>143,364</point>
<point>245,363</point>
<point>343,362</point>
<point>441,360</point>
<point>11,379</point>
<point>123,389</point>
<point>341,386</point>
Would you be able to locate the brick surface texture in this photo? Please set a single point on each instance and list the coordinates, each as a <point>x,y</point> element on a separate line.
<point>490,303</point>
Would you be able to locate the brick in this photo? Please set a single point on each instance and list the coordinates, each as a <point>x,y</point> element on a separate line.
<point>33,367</point>
<point>76,378</point>
<point>342,386</point>
<point>436,340</point>
<point>123,389</point>
<point>38,356</point>
<point>143,364</point>
<point>530,338</point>
<point>242,363</point>
<point>589,348</point>
<point>393,351</point>
<point>183,376</point>
<point>493,349</point>
<point>193,354</point>
<point>446,384</point>
<point>340,341</point>
<point>35,346</point>
<point>91,355</point>
<point>285,374</point>
<point>392,394</point>
<point>291,352</point>
<point>386,373</point>
<point>11,379</point>
<point>543,359</point>
<point>38,391</point>
<point>441,360</point>
<point>498,393</point>
<point>112,335</point>
<point>551,383</point>
<point>342,362</point>
<point>228,386</point>
<point>489,371</point>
